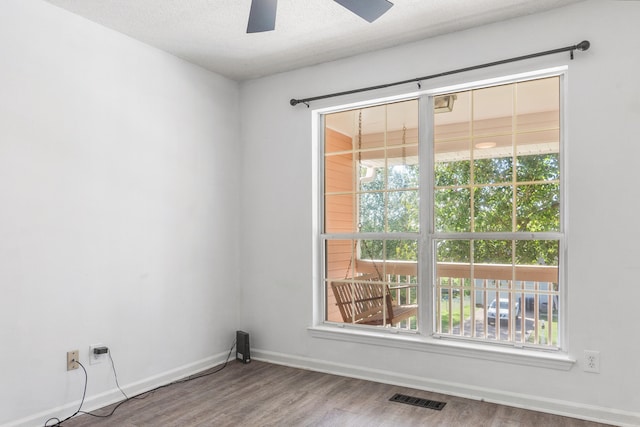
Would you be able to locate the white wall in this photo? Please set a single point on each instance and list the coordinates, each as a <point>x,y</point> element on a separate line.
<point>118,219</point>
<point>603,124</point>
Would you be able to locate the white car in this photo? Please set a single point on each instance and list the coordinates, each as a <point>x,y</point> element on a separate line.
<point>503,311</point>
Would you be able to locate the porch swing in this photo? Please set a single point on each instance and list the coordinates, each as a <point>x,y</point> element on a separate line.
<point>366,299</point>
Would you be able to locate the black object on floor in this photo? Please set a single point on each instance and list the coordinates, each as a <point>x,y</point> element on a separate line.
<point>416,401</point>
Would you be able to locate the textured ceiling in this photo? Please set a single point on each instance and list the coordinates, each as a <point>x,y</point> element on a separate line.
<point>212,33</point>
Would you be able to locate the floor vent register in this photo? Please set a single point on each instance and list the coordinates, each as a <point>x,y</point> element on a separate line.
<point>416,401</point>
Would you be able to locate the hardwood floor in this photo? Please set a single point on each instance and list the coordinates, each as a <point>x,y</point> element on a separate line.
<point>263,394</point>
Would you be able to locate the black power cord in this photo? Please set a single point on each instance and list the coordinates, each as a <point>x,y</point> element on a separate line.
<point>145,394</point>
<point>115,376</point>
<point>84,393</point>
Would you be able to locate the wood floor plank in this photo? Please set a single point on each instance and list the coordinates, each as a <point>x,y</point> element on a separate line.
<point>263,394</point>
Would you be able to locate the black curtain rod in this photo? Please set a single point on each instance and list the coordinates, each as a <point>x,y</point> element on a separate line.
<point>583,45</point>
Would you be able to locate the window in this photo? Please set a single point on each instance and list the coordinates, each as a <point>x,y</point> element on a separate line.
<point>371,215</point>
<point>483,262</point>
<point>496,214</point>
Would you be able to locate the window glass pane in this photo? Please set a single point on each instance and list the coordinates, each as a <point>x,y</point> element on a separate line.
<point>371,254</point>
<point>403,137</point>
<point>454,295</point>
<point>453,251</point>
<point>338,173</point>
<point>493,110</point>
<point>493,252</point>
<point>402,250</point>
<point>371,170</point>
<point>540,142</point>
<point>339,127</point>
<point>452,210</point>
<point>340,258</point>
<point>493,170</point>
<point>372,211</point>
<point>452,150</point>
<point>538,207</point>
<point>403,169</point>
<point>541,167</point>
<point>403,212</point>
<point>538,253</point>
<point>454,307</point>
<point>339,265</point>
<point>487,147</point>
<point>371,126</point>
<point>537,104</point>
<point>452,173</point>
<point>453,268</point>
<point>493,209</point>
<point>537,275</point>
<point>452,118</point>
<point>402,123</point>
<point>339,213</point>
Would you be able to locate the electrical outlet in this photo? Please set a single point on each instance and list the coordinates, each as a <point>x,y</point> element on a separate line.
<point>72,360</point>
<point>97,358</point>
<point>591,361</point>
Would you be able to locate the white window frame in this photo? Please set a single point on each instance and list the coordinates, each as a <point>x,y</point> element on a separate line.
<point>425,339</point>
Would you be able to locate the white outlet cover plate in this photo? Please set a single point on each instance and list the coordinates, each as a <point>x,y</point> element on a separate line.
<point>591,361</point>
<point>97,358</point>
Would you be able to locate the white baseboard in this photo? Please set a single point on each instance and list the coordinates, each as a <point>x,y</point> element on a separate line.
<point>524,401</point>
<point>91,403</point>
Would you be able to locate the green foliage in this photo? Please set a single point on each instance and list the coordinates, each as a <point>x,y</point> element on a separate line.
<point>476,196</point>
<point>390,201</point>
<point>536,199</point>
<point>452,210</point>
<point>454,251</point>
<point>451,173</point>
<point>493,208</point>
<point>493,170</point>
<point>397,250</point>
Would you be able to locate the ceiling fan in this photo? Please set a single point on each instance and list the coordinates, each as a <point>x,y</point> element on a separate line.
<point>262,16</point>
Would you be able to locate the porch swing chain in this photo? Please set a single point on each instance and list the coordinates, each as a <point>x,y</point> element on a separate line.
<point>366,248</point>
<point>404,145</point>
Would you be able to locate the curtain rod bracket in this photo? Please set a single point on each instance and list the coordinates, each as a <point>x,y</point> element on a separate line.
<point>582,46</point>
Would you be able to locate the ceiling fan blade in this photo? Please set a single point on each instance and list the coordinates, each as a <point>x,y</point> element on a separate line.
<point>262,16</point>
<point>369,10</point>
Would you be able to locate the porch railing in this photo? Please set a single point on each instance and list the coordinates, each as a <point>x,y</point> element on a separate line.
<point>531,292</point>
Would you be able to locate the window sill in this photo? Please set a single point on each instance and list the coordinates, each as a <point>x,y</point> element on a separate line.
<point>519,356</point>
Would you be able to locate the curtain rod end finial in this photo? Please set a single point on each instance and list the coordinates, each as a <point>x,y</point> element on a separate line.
<point>583,45</point>
<point>293,102</point>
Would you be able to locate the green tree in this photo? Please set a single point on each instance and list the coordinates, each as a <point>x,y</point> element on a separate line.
<point>389,202</point>
<point>479,197</point>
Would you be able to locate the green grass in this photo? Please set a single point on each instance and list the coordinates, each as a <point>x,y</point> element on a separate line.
<point>456,318</point>
<point>543,332</point>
